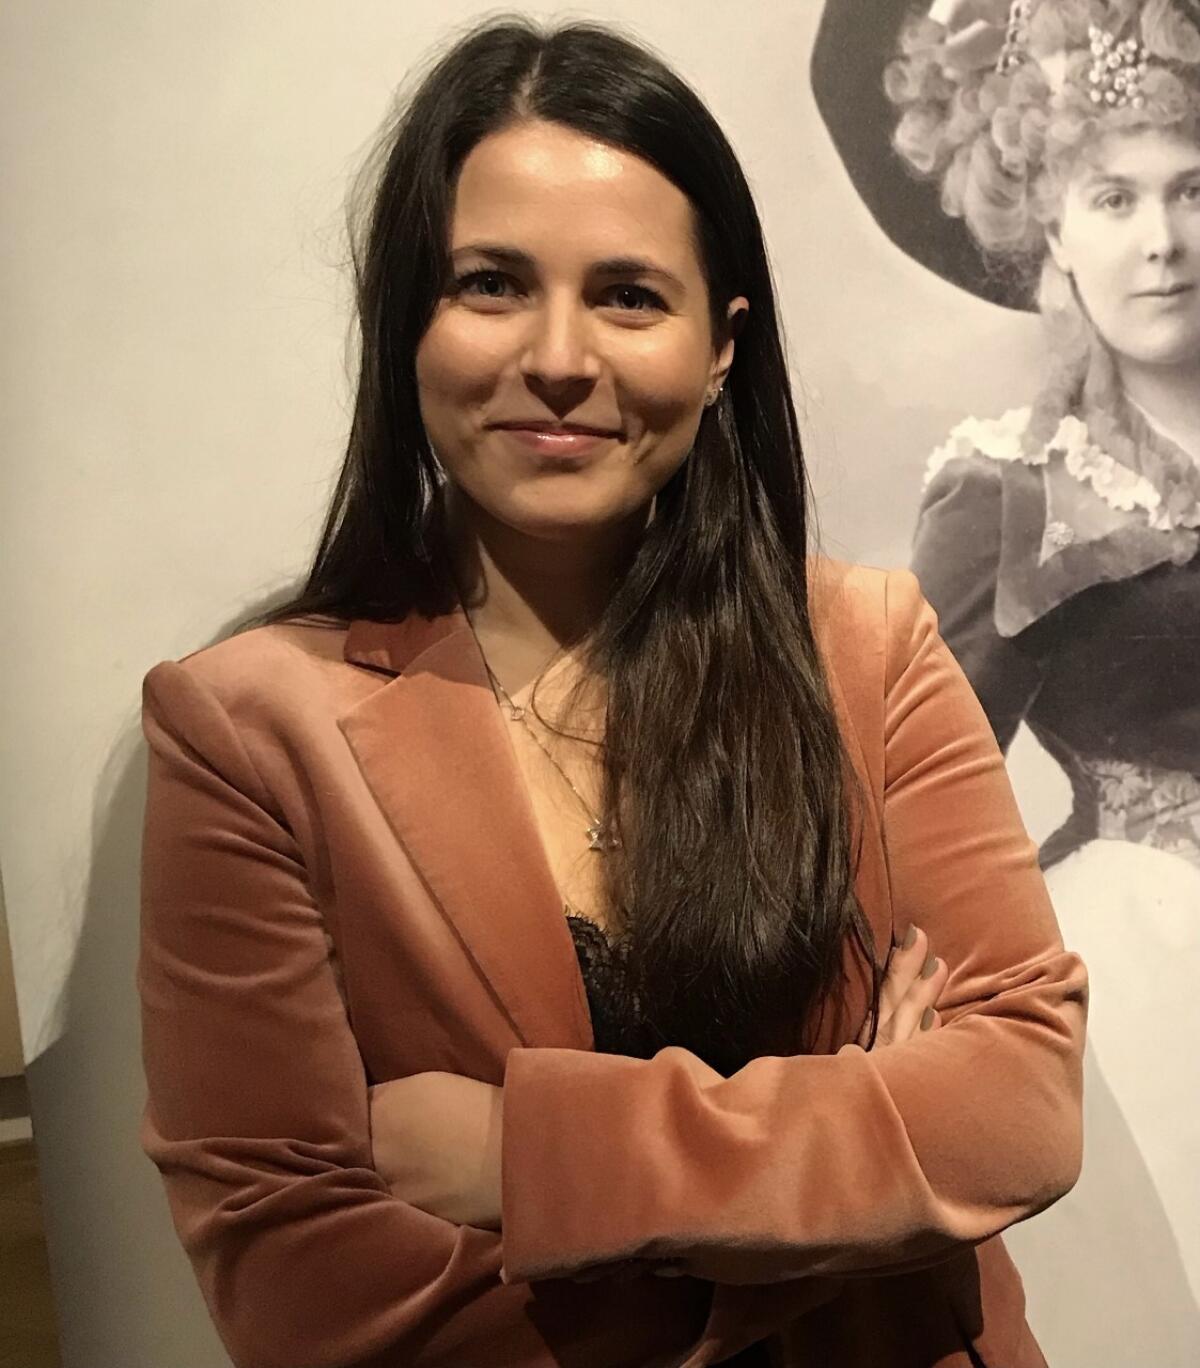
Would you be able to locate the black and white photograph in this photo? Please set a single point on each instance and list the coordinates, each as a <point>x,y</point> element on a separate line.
<point>1059,170</point>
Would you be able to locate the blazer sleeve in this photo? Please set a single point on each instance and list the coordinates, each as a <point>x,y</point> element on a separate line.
<point>956,557</point>
<point>257,1113</point>
<point>857,1162</point>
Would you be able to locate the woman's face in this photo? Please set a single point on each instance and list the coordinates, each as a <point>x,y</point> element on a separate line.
<point>1130,236</point>
<point>551,320</point>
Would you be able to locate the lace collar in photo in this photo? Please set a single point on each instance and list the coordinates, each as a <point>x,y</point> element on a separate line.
<point>1053,547</point>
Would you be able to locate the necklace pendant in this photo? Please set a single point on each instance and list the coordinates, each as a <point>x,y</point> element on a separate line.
<point>516,712</point>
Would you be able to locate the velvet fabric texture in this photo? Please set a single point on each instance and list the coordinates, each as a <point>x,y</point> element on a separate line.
<point>343,883</point>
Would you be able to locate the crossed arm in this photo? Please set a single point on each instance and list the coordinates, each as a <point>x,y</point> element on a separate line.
<point>436,1137</point>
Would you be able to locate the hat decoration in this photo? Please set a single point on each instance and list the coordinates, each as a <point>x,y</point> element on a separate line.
<point>982,97</point>
<point>992,93</point>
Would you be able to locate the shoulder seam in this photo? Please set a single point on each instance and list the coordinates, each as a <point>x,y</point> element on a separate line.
<point>203,687</point>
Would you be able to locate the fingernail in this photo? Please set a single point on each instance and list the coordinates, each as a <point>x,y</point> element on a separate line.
<point>910,938</point>
<point>930,967</point>
<point>927,1018</point>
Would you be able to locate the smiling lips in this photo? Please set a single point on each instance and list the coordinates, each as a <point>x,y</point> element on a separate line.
<point>541,425</point>
<point>557,439</point>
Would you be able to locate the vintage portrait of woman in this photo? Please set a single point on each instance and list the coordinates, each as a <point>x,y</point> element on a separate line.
<point>1046,153</point>
<point>586,924</point>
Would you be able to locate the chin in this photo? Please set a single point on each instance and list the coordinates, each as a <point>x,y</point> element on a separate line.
<point>570,515</point>
<point>1182,355</point>
<point>1174,345</point>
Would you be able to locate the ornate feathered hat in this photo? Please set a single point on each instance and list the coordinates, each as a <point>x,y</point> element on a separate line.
<point>948,118</point>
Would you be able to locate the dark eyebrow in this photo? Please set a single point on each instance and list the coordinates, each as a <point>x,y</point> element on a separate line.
<point>610,266</point>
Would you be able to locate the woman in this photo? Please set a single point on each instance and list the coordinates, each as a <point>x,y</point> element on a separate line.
<point>396,1122</point>
<point>1058,544</point>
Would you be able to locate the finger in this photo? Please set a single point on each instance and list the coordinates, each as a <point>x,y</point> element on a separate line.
<point>922,997</point>
<point>904,968</point>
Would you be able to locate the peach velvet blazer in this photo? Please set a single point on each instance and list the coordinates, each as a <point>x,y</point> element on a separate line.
<point>343,883</point>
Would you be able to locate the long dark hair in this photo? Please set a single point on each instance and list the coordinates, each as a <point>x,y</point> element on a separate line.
<point>724,769</point>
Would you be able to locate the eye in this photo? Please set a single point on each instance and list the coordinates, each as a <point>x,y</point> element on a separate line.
<point>490,285</point>
<point>464,282</point>
<point>642,292</point>
<point>1113,201</point>
<point>1190,193</point>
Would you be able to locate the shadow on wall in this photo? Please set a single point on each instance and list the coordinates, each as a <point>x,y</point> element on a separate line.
<point>123,1285</point>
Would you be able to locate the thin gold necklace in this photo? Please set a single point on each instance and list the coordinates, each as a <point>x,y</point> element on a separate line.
<point>599,837</point>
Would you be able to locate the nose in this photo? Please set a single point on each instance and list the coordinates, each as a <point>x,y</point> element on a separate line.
<point>560,346</point>
<point>1161,238</point>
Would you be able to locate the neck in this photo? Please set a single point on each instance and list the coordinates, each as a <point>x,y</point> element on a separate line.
<point>531,598</point>
<point>1170,397</point>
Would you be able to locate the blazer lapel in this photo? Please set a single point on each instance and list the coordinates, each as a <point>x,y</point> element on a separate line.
<point>435,753</point>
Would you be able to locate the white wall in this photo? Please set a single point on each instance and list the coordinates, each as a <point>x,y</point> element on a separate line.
<point>175,405</point>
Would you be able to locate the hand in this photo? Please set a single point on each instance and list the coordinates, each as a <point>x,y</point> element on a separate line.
<point>911,987</point>
<point>435,1138</point>
<point>906,1009</point>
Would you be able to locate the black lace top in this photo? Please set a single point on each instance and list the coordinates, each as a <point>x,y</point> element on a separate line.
<point>618,1024</point>
<point>620,1028</point>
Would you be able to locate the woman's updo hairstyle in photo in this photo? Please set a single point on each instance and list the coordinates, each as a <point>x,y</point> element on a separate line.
<point>725,775</point>
<point>1000,112</point>
<point>1000,117</point>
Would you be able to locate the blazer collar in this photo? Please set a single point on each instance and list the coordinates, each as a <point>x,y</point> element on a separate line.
<point>391,646</point>
<point>437,756</point>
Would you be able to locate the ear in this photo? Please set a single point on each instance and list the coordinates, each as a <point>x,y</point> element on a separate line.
<point>1054,244</point>
<point>735,321</point>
